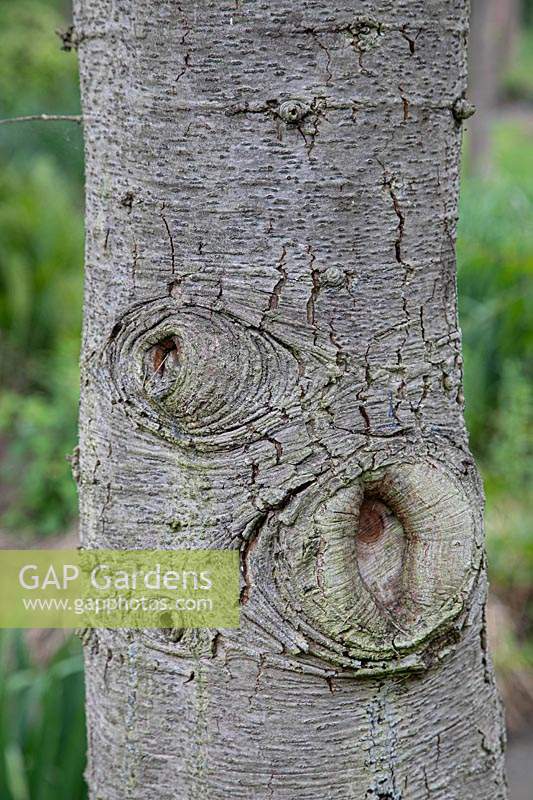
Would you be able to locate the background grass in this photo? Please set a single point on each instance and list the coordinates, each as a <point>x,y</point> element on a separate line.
<point>42,722</point>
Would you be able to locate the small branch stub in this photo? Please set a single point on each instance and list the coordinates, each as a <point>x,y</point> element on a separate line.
<point>293,111</point>
<point>69,38</point>
<point>463,109</point>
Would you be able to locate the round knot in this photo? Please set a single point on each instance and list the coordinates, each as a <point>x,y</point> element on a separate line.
<point>293,111</point>
<point>200,378</point>
<point>371,567</point>
<point>365,30</point>
<point>463,109</point>
<point>333,276</point>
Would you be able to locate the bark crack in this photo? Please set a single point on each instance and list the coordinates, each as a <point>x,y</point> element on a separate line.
<point>275,296</point>
<point>409,39</point>
<point>315,290</point>
<point>389,184</point>
<point>170,240</point>
<point>186,58</point>
<point>322,46</point>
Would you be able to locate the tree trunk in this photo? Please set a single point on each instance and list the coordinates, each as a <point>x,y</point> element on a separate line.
<point>272,362</point>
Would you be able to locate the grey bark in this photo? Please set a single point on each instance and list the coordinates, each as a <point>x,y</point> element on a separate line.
<point>272,362</point>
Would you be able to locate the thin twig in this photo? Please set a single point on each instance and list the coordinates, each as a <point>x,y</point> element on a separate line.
<point>45,118</point>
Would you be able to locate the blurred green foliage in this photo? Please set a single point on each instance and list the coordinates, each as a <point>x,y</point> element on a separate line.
<point>40,429</point>
<point>527,9</point>
<point>37,77</point>
<point>495,258</point>
<point>518,82</point>
<point>41,246</point>
<point>33,66</point>
<point>42,723</point>
<point>41,255</point>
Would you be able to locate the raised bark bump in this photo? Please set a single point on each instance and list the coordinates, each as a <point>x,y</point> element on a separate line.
<point>198,377</point>
<point>378,597</point>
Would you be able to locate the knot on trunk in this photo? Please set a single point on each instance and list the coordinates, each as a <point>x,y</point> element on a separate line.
<point>462,109</point>
<point>373,569</point>
<point>199,378</point>
<point>365,31</point>
<point>293,111</point>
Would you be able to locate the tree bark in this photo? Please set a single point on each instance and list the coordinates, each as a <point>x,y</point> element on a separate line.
<point>272,362</point>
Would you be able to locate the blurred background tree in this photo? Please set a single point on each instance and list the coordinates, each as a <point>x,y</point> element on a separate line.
<point>41,255</point>
<point>495,261</point>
